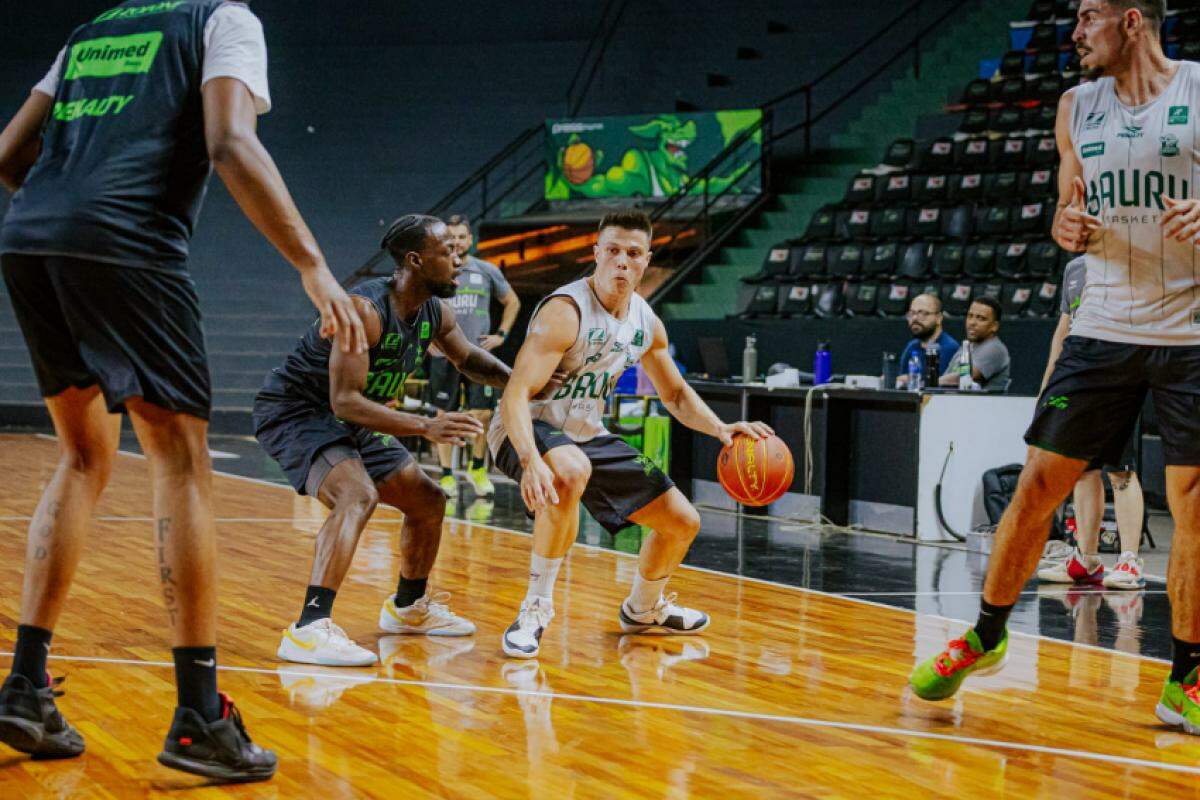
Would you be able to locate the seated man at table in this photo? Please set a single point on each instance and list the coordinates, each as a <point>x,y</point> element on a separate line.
<point>989,357</point>
<point>925,323</point>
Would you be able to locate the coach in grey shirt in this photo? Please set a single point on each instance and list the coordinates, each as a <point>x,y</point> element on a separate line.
<point>989,357</point>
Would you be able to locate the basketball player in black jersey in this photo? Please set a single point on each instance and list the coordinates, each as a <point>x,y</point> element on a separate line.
<point>324,416</point>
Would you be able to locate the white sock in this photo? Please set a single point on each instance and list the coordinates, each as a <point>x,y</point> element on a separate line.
<point>543,572</point>
<point>645,593</point>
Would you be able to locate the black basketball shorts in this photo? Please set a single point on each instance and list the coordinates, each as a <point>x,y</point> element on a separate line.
<point>135,332</point>
<point>623,481</point>
<point>1095,394</point>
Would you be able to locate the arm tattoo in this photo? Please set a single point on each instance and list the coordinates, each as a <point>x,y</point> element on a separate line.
<point>483,367</point>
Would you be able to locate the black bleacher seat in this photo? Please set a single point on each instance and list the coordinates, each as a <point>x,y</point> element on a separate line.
<point>1044,302</point>
<point>1005,120</point>
<point>757,300</point>
<point>795,300</point>
<point>978,93</point>
<point>1029,218</point>
<point>1042,258</point>
<point>1010,259</point>
<point>931,188</point>
<point>811,262</point>
<point>931,286</point>
<point>913,262</point>
<point>971,155</point>
<point>893,300</point>
<point>979,260</point>
<point>776,264</point>
<point>1009,153</point>
<point>956,221</point>
<point>1041,118</point>
<point>1186,28</point>
<point>936,156</point>
<point>1013,90</point>
<point>1000,187</point>
<point>924,222</point>
<point>900,153</point>
<point>820,227</point>
<point>948,260</point>
<point>862,299</point>
<point>1036,184</point>
<point>829,301</point>
<point>888,223</point>
<point>1044,38</point>
<point>1190,51</point>
<point>956,298</point>
<point>895,189</point>
<point>880,259</point>
<point>967,187</point>
<point>992,289</point>
<point>1012,64</point>
<point>1041,10</point>
<point>974,121</point>
<point>1049,88</point>
<point>845,261</point>
<point>1043,152</point>
<point>1045,64</point>
<point>857,224</point>
<point>861,190</point>
<point>993,220</point>
<point>1015,298</point>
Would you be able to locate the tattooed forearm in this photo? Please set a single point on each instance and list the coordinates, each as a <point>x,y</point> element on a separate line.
<point>483,367</point>
<point>170,595</point>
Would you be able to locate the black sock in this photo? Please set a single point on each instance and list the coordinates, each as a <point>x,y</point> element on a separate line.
<point>318,604</point>
<point>29,656</point>
<point>990,627</point>
<point>409,591</point>
<point>1185,656</point>
<point>477,463</point>
<point>196,681</point>
<point>447,472</point>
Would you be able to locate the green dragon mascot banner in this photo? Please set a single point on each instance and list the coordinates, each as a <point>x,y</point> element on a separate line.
<point>649,156</point>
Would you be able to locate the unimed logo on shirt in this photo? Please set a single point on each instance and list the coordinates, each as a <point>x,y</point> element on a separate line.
<point>109,56</point>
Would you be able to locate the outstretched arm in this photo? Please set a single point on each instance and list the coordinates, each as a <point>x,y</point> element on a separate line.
<point>681,399</point>
<point>21,140</point>
<point>467,357</point>
<point>347,376</point>
<point>245,166</point>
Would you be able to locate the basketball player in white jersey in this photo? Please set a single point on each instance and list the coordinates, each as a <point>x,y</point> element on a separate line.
<point>1127,147</point>
<point>561,454</point>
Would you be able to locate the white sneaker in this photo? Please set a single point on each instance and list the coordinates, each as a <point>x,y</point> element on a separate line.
<point>665,617</point>
<point>316,688</point>
<point>1075,568</point>
<point>1127,574</point>
<point>523,638</point>
<point>410,655</point>
<point>429,616</point>
<point>322,643</point>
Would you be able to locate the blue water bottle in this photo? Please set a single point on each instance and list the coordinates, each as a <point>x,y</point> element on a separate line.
<point>914,373</point>
<point>822,364</point>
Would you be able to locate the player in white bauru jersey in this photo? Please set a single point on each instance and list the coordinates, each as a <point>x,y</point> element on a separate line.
<point>560,452</point>
<point>1127,151</point>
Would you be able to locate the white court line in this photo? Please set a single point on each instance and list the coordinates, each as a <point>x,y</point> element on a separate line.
<point>707,710</point>
<point>1033,592</point>
<point>747,578</point>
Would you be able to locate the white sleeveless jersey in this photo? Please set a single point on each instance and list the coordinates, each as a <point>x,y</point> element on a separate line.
<point>604,348</point>
<point>1141,286</point>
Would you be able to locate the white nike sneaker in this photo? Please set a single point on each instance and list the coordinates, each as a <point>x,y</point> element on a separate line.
<point>1127,574</point>
<point>429,616</point>
<point>523,638</point>
<point>665,618</point>
<point>322,643</point>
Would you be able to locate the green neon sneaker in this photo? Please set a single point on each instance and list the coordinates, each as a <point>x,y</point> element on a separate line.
<point>939,677</point>
<point>1179,705</point>
<point>449,486</point>
<point>480,482</point>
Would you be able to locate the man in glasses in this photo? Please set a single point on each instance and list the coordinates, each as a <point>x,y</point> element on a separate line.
<point>925,323</point>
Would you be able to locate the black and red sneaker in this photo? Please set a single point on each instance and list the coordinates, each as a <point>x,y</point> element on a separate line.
<point>220,750</point>
<point>31,723</point>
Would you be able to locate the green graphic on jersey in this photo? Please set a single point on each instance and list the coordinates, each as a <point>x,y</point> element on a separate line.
<point>586,384</point>
<point>1133,189</point>
<point>392,341</point>
<point>596,335</point>
<point>138,11</point>
<point>1177,115</point>
<point>1092,149</point>
<point>1058,401</point>
<point>91,107</point>
<point>639,338</point>
<point>110,56</point>
<point>425,329</point>
<point>1168,145</point>
<point>385,380</point>
<point>646,464</point>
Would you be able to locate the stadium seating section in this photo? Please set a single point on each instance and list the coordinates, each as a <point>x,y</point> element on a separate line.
<point>961,216</point>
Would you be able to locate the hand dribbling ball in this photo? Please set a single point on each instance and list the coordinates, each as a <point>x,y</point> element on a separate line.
<point>755,472</point>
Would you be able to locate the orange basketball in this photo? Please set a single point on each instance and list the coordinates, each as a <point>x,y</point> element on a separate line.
<point>756,472</point>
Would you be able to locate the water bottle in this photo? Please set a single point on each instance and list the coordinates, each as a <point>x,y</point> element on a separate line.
<point>887,377</point>
<point>822,364</point>
<point>914,373</point>
<point>965,380</point>
<point>933,369</point>
<point>750,360</point>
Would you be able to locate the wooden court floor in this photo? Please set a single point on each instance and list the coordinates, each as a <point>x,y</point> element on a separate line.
<point>789,693</point>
